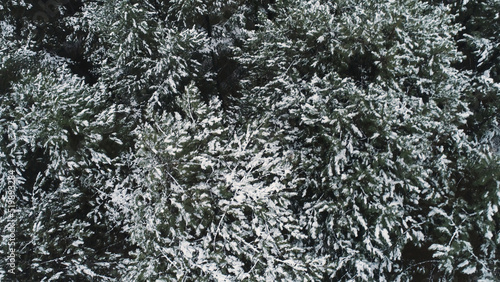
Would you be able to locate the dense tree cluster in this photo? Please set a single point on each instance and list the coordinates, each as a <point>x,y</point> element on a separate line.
<point>287,140</point>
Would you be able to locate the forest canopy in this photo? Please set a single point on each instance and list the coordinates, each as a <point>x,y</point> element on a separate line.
<point>292,140</point>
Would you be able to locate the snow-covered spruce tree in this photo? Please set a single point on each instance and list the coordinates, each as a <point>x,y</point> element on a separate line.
<point>135,55</point>
<point>480,42</point>
<point>136,62</point>
<point>63,140</point>
<point>145,51</point>
<point>57,141</point>
<point>213,204</point>
<point>222,22</point>
<point>368,97</point>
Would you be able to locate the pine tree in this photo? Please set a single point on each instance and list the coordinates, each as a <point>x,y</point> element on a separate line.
<point>479,41</point>
<point>212,204</point>
<point>48,143</point>
<point>62,140</point>
<point>379,110</point>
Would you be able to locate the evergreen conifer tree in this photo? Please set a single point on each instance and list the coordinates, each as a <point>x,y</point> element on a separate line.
<point>379,109</point>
